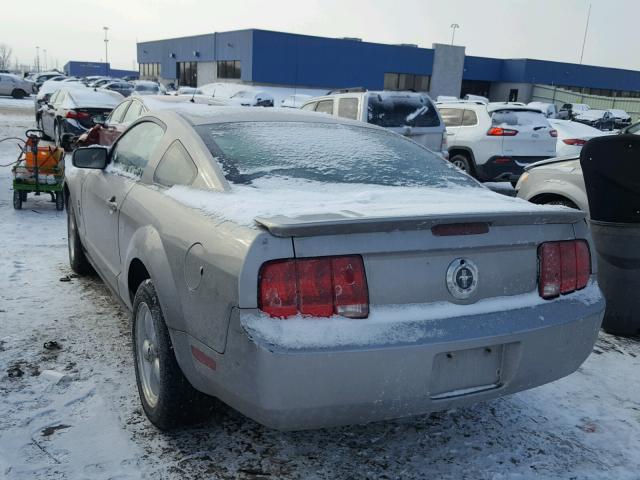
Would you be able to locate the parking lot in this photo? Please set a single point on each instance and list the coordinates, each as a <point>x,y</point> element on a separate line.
<point>71,409</point>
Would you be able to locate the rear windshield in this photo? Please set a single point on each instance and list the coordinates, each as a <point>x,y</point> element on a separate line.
<point>519,118</point>
<point>330,153</point>
<point>399,111</point>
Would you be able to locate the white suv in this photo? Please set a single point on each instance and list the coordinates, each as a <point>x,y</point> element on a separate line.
<point>495,142</point>
<point>410,114</point>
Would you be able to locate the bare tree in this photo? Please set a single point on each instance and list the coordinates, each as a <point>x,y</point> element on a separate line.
<point>5,55</point>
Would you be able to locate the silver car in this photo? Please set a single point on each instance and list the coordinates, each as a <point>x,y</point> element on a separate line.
<point>312,271</point>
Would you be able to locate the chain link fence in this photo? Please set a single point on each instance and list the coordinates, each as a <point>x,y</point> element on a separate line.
<point>559,96</point>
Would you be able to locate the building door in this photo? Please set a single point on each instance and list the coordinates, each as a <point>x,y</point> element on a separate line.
<point>513,95</point>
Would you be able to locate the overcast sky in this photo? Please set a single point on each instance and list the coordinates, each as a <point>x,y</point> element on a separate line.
<point>545,29</point>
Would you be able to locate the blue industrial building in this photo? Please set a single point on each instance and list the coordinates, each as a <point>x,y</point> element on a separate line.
<point>85,69</point>
<point>283,59</point>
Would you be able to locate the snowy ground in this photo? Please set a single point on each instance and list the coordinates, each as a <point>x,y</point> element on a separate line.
<point>90,425</point>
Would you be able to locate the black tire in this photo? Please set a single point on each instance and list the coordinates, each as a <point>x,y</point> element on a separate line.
<point>77,258</point>
<point>463,162</point>
<point>17,200</point>
<point>173,402</point>
<point>59,201</point>
<point>18,93</point>
<point>563,202</point>
<point>23,195</point>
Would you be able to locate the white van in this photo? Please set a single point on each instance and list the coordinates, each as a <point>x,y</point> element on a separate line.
<point>411,114</point>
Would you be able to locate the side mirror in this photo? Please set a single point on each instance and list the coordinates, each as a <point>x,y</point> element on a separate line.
<point>99,119</point>
<point>94,157</point>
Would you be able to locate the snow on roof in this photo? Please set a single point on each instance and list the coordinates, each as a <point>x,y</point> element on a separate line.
<point>89,97</point>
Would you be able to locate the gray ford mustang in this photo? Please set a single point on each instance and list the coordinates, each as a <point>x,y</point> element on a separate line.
<point>311,271</point>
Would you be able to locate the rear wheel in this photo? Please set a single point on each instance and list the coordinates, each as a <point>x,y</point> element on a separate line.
<point>77,259</point>
<point>18,93</point>
<point>463,162</point>
<point>167,397</point>
<point>59,201</point>
<point>23,195</point>
<point>17,200</point>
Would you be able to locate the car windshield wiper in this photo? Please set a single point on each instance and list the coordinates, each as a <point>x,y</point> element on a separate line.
<point>540,127</point>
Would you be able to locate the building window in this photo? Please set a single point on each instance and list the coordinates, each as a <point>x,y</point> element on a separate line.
<point>407,81</point>
<point>229,69</point>
<point>187,73</point>
<point>149,70</point>
<point>475,87</point>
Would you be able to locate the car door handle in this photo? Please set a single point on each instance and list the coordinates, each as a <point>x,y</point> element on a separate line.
<point>113,205</point>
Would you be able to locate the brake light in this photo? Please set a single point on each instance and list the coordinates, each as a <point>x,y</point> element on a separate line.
<point>78,115</point>
<point>574,141</point>
<point>318,287</point>
<point>501,132</point>
<point>563,267</point>
<point>553,133</point>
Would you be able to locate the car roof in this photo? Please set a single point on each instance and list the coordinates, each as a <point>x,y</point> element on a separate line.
<point>200,114</point>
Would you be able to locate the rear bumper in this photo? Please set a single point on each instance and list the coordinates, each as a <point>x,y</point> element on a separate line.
<point>505,168</point>
<point>457,361</point>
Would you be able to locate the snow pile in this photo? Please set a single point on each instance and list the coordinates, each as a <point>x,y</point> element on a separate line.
<point>227,90</point>
<point>388,324</point>
<point>269,197</point>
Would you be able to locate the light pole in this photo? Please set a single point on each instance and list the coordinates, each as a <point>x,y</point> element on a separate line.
<point>37,59</point>
<point>453,31</point>
<point>586,29</point>
<point>44,50</point>
<point>106,49</point>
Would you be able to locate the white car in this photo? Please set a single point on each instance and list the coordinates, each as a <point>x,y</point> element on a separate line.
<point>572,136</point>
<point>622,119</point>
<point>294,101</point>
<point>411,114</point>
<point>495,142</point>
<point>550,110</point>
<point>15,86</point>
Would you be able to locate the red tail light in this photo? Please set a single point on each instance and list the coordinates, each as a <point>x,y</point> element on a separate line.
<point>564,267</point>
<point>553,133</point>
<point>501,132</point>
<point>319,287</point>
<point>574,141</point>
<point>78,115</point>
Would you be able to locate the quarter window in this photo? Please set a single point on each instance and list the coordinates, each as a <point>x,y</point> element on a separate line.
<point>452,117</point>
<point>309,106</point>
<point>469,118</point>
<point>118,112</point>
<point>325,106</point>
<point>134,149</point>
<point>176,167</point>
<point>348,108</point>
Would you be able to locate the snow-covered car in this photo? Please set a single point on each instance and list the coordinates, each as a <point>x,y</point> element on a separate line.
<point>621,118</point>
<point>568,111</point>
<point>47,89</point>
<point>312,271</point>
<point>147,87</point>
<point>71,110</point>
<point>15,86</point>
<point>123,88</point>
<point>107,129</point>
<point>495,142</point>
<point>408,113</point>
<point>550,110</point>
<point>251,98</point>
<point>188,91</point>
<point>559,181</point>
<point>294,101</point>
<point>572,136</point>
<point>600,119</point>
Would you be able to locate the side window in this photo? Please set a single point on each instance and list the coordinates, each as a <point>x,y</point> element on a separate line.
<point>118,113</point>
<point>309,106</point>
<point>325,106</point>
<point>133,113</point>
<point>134,149</point>
<point>59,99</point>
<point>452,117</point>
<point>469,118</point>
<point>52,98</point>
<point>348,108</point>
<point>176,167</point>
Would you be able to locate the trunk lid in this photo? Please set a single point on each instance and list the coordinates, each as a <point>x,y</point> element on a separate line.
<point>533,138</point>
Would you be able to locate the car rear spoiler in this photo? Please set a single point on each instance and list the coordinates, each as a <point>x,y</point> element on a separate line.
<point>335,224</point>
